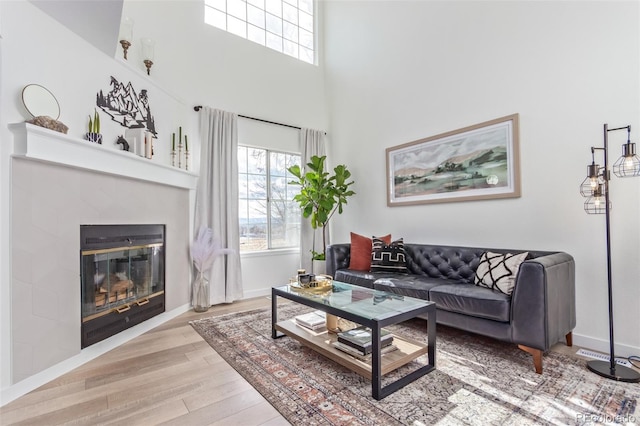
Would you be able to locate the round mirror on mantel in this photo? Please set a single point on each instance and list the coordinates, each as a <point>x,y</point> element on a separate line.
<point>39,101</point>
<point>43,106</point>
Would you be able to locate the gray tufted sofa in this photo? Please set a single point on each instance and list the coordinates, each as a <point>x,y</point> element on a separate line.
<point>539,313</point>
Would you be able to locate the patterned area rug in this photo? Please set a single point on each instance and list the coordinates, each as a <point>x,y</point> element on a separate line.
<point>478,381</point>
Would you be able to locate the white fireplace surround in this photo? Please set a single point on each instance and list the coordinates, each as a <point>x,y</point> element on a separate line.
<point>38,143</point>
<point>58,182</point>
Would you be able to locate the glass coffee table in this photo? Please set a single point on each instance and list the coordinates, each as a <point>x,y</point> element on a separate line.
<point>372,308</point>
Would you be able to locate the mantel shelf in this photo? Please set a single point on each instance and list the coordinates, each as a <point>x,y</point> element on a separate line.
<point>38,143</point>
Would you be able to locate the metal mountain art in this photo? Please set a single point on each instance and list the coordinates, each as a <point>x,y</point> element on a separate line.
<point>126,107</point>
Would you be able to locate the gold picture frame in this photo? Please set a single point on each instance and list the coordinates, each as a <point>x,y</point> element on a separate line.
<point>478,162</point>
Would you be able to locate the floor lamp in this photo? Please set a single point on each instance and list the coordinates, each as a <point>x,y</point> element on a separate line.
<point>596,188</point>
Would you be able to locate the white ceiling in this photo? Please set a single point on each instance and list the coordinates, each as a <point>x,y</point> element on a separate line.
<point>97,21</point>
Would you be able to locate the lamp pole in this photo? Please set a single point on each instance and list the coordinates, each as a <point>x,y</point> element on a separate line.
<point>610,369</point>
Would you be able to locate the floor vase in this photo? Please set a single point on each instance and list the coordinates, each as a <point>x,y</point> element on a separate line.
<point>200,292</point>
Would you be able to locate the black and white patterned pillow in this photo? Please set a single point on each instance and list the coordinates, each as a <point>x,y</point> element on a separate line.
<point>498,271</point>
<point>388,257</point>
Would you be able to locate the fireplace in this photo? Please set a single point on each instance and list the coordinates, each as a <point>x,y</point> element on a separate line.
<point>122,277</point>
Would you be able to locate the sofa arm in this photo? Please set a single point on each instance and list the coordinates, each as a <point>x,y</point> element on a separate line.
<point>338,257</point>
<point>543,309</point>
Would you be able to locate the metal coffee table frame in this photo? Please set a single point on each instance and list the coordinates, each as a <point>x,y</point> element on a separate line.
<point>375,324</point>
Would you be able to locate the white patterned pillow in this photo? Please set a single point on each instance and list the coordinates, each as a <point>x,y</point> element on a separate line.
<point>498,271</point>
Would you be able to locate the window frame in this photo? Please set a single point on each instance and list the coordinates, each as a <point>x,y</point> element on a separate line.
<point>219,14</point>
<point>269,200</point>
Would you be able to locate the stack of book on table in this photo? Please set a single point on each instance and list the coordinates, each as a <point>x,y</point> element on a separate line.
<point>315,320</point>
<point>357,342</point>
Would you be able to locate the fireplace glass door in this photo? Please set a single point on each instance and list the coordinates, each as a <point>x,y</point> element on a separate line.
<point>113,278</point>
<point>122,278</point>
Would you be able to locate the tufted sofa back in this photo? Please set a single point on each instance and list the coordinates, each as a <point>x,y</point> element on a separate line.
<point>454,263</point>
<point>449,262</point>
<point>446,262</point>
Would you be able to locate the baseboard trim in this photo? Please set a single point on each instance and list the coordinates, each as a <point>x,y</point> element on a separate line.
<point>87,354</point>
<point>600,345</point>
<point>257,293</point>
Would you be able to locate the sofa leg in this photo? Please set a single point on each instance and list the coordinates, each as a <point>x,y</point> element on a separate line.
<point>537,357</point>
<point>569,338</point>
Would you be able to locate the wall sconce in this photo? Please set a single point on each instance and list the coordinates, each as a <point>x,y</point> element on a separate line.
<point>126,34</point>
<point>596,187</point>
<point>148,50</point>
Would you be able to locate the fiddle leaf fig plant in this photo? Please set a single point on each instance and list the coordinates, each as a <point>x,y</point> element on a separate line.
<point>321,194</point>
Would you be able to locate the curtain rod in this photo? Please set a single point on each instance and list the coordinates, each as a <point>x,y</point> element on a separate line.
<point>198,107</point>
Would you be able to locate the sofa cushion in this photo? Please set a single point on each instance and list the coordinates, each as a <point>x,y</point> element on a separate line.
<point>417,286</point>
<point>388,257</point>
<point>470,299</point>
<point>498,271</point>
<point>361,247</point>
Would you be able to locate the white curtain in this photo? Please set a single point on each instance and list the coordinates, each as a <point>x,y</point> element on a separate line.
<point>312,143</point>
<point>217,199</point>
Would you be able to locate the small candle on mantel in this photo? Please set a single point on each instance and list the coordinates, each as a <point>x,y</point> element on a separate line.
<point>173,142</point>
<point>186,145</point>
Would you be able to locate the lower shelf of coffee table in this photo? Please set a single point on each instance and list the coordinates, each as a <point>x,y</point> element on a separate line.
<point>407,351</point>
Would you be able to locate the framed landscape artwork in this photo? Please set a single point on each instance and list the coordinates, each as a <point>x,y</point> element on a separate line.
<point>478,162</point>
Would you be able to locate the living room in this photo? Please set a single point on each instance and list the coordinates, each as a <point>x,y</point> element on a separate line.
<point>388,73</point>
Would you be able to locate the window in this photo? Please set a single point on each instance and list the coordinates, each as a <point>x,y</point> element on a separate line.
<point>283,25</point>
<point>269,218</point>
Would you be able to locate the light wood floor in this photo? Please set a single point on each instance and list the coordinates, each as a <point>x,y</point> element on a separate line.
<point>168,375</point>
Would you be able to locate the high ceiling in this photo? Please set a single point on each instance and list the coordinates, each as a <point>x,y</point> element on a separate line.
<point>97,21</point>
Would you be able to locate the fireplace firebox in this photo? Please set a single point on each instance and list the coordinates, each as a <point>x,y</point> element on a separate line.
<point>122,278</point>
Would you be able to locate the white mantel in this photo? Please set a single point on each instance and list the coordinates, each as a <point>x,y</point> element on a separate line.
<point>38,143</point>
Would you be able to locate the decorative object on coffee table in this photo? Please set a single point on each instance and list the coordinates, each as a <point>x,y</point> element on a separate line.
<point>596,188</point>
<point>332,323</point>
<point>204,251</point>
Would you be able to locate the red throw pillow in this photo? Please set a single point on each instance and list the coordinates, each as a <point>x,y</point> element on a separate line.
<point>361,251</point>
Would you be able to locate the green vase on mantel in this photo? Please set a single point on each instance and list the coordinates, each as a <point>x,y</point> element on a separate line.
<point>200,292</point>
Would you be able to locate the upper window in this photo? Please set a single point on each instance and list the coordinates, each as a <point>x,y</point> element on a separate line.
<point>283,25</point>
<point>269,217</point>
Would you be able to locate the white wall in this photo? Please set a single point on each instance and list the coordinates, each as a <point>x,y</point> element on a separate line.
<point>194,64</point>
<point>399,71</point>
<point>74,71</point>
<point>208,66</point>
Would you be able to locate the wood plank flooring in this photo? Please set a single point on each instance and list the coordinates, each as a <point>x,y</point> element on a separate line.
<point>168,376</point>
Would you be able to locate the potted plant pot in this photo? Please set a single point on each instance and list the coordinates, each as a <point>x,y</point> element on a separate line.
<point>93,137</point>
